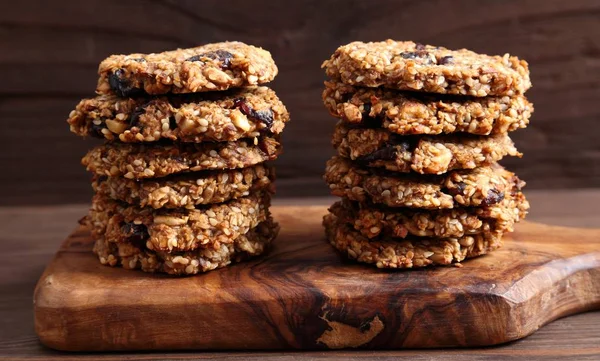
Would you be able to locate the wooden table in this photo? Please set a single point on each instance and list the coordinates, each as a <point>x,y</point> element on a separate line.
<point>30,235</point>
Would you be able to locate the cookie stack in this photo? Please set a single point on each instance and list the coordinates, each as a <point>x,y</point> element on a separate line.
<point>180,184</point>
<point>421,131</point>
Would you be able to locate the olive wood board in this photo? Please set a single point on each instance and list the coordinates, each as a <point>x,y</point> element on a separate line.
<point>304,295</point>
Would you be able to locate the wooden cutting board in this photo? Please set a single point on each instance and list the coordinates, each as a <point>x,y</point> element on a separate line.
<point>303,295</point>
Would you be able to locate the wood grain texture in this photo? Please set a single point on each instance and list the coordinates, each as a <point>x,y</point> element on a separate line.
<point>303,295</point>
<point>27,249</point>
<point>50,52</point>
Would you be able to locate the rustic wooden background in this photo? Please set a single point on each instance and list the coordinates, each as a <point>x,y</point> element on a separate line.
<point>49,51</point>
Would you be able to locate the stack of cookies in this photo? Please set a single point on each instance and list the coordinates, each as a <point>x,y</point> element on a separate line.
<point>181,185</point>
<point>421,131</point>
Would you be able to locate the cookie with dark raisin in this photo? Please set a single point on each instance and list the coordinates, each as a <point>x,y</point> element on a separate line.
<point>436,154</point>
<point>482,186</point>
<point>177,230</point>
<point>210,67</point>
<point>409,113</point>
<point>217,116</point>
<point>406,65</point>
<point>373,221</point>
<point>134,256</point>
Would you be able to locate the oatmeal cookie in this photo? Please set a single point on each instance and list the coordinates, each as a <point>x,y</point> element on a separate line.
<point>136,161</point>
<point>373,221</point>
<point>210,67</point>
<point>481,186</point>
<point>407,253</point>
<point>174,230</point>
<point>419,113</point>
<point>406,65</point>
<point>135,256</point>
<point>215,116</point>
<point>376,147</point>
<point>187,190</point>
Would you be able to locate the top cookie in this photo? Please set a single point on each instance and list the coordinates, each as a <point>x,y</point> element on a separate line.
<point>210,67</point>
<point>406,65</point>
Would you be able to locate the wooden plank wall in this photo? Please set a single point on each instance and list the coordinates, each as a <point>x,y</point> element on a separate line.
<point>49,51</point>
